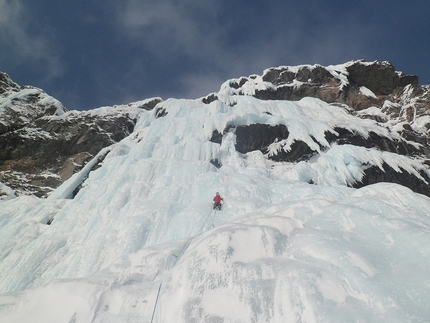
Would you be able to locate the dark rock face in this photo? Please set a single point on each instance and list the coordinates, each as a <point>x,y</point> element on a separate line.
<point>150,104</point>
<point>376,175</point>
<point>261,136</point>
<point>50,151</point>
<point>62,138</point>
<point>316,81</point>
<point>210,98</point>
<point>258,137</point>
<point>160,112</point>
<point>305,74</point>
<point>357,85</point>
<point>42,144</point>
<point>299,151</point>
<point>318,85</point>
<point>375,141</point>
<point>6,83</point>
<point>328,94</point>
<point>379,77</point>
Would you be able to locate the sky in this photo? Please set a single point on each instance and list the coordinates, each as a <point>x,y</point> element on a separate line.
<point>89,53</point>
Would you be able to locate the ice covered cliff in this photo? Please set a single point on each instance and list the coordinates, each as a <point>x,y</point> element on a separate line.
<point>42,144</point>
<point>132,236</point>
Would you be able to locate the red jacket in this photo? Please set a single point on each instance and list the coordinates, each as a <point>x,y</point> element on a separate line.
<point>218,199</point>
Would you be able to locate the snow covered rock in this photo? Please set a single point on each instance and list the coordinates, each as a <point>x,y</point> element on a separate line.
<point>358,84</point>
<point>42,144</point>
<point>370,105</point>
<point>397,104</point>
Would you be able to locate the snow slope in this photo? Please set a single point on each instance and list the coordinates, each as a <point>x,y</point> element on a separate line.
<point>141,243</point>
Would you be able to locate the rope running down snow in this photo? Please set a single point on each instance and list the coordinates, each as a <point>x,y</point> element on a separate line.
<point>184,247</point>
<point>187,243</point>
<point>156,301</point>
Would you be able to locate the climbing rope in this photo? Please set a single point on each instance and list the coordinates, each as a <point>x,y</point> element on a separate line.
<point>156,301</point>
<point>187,243</point>
<point>184,247</point>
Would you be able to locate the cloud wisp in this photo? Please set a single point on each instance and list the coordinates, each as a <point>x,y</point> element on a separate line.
<point>95,53</point>
<point>20,45</point>
<point>220,41</point>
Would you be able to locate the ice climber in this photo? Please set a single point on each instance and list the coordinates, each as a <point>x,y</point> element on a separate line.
<point>217,201</point>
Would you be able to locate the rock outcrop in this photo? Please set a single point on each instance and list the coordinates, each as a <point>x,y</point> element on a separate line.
<point>367,90</point>
<point>359,84</point>
<point>42,144</point>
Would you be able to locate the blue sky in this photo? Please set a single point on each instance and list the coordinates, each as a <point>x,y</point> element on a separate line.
<point>92,53</point>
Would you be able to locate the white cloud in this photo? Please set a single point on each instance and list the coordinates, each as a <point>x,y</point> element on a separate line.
<point>20,44</point>
<point>245,43</point>
<point>7,10</point>
<point>200,85</point>
<point>176,26</point>
<point>171,28</point>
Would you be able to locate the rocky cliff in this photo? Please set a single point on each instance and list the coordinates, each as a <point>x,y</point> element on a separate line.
<point>368,90</point>
<point>42,144</point>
